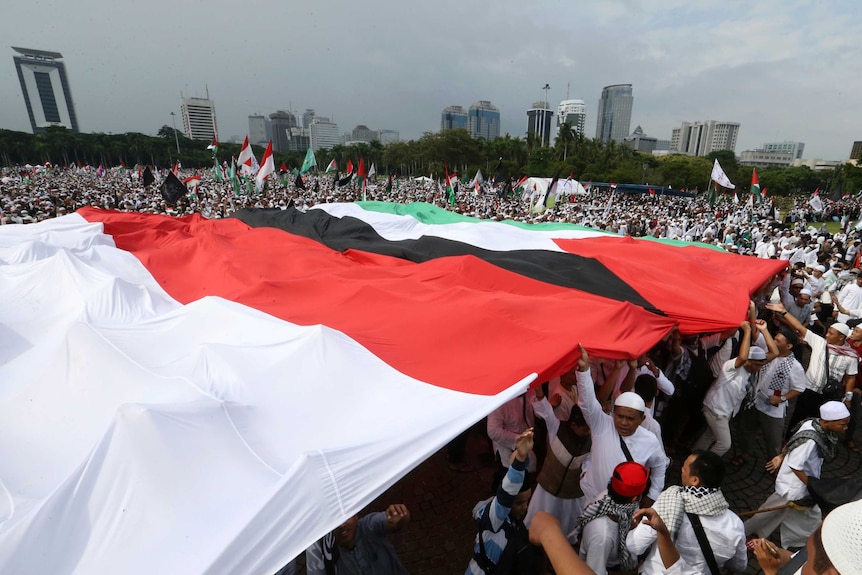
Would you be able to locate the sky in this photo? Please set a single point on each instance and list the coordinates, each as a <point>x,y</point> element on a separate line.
<point>785,70</point>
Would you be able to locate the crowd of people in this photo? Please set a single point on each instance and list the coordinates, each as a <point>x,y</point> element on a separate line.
<point>582,459</point>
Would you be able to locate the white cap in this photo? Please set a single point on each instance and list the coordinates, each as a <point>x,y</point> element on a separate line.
<point>842,537</point>
<point>633,400</point>
<point>834,411</point>
<point>756,353</point>
<point>841,328</point>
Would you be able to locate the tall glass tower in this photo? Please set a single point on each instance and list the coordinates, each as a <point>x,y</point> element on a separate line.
<point>484,120</point>
<point>615,113</point>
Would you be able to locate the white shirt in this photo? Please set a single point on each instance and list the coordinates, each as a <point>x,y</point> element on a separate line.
<point>839,365</point>
<point>794,380</point>
<point>805,458</point>
<point>725,395</point>
<point>850,298</point>
<point>606,452</point>
<point>599,544</point>
<point>725,533</point>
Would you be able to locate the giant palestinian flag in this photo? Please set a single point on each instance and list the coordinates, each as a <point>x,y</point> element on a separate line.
<point>212,396</point>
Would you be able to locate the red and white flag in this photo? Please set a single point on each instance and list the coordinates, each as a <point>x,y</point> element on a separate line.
<point>246,160</point>
<point>267,167</point>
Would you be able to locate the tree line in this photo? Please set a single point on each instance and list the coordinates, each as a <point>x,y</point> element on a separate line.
<point>585,159</point>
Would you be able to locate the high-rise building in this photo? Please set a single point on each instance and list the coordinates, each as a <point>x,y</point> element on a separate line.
<point>703,138</point>
<point>389,136</point>
<point>282,124</point>
<point>483,120</point>
<point>856,150</point>
<point>574,113</point>
<point>795,149</point>
<point>453,118</point>
<point>539,122</point>
<point>615,113</point>
<point>199,118</point>
<point>46,89</point>
<point>324,134</point>
<point>257,130</point>
<point>363,133</point>
<point>307,117</point>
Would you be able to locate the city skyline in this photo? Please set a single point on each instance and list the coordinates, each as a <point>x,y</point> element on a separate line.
<point>783,70</point>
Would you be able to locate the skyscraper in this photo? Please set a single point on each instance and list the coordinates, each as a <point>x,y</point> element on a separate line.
<point>483,120</point>
<point>199,118</point>
<point>703,138</point>
<point>453,118</point>
<point>615,113</point>
<point>324,134</point>
<point>282,122</point>
<point>539,122</point>
<point>307,117</point>
<point>573,112</point>
<point>46,89</point>
<point>257,130</point>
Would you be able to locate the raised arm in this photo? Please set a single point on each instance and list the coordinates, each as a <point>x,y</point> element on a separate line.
<point>791,321</point>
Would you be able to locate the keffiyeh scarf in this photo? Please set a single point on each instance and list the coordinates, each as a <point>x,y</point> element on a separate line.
<point>621,513</point>
<point>826,441</point>
<point>677,500</point>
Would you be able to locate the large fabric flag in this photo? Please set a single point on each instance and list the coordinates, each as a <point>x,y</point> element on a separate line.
<point>720,177</point>
<point>331,167</point>
<point>163,390</point>
<point>267,168</point>
<point>247,162</point>
<point>192,182</point>
<point>755,187</point>
<point>372,171</point>
<point>815,202</point>
<point>349,166</point>
<point>309,161</point>
<point>214,146</point>
<point>148,177</point>
<point>450,186</point>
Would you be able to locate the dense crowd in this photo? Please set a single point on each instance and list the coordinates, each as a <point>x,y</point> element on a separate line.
<point>596,480</point>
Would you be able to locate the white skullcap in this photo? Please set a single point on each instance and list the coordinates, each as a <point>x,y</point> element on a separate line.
<point>821,269</point>
<point>631,399</point>
<point>841,328</point>
<point>797,281</point>
<point>842,537</point>
<point>805,291</point>
<point>756,353</point>
<point>834,411</point>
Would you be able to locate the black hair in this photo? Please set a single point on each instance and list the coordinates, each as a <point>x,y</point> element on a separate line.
<point>820,562</point>
<point>790,336</point>
<point>646,386</point>
<point>708,467</point>
<point>577,416</point>
<point>529,482</point>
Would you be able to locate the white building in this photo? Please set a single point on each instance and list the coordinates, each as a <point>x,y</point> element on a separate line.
<point>324,134</point>
<point>702,138</point>
<point>199,118</point>
<point>575,113</point>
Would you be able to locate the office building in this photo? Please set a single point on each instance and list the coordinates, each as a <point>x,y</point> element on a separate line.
<point>574,113</point>
<point>199,118</point>
<point>389,136</point>
<point>703,138</point>
<point>46,89</point>
<point>363,133</point>
<point>539,122</point>
<point>856,150</point>
<point>641,142</point>
<point>307,118</point>
<point>483,120</point>
<point>282,124</point>
<point>453,118</point>
<point>257,132</point>
<point>324,134</point>
<point>615,113</point>
<point>772,154</point>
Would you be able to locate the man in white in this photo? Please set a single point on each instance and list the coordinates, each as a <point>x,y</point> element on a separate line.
<point>611,432</point>
<point>700,494</point>
<point>849,299</point>
<point>737,379</point>
<point>803,457</point>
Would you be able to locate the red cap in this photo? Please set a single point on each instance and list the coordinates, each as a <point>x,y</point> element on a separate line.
<point>629,479</point>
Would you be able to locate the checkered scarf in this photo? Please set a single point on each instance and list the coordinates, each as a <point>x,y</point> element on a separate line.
<point>827,441</point>
<point>783,366</point>
<point>677,500</point>
<point>622,513</point>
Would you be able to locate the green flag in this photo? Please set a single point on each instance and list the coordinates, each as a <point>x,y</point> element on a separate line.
<point>234,181</point>
<point>309,161</point>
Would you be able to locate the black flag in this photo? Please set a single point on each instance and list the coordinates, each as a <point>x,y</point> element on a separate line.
<point>173,189</point>
<point>298,182</point>
<point>148,176</point>
<point>345,180</point>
